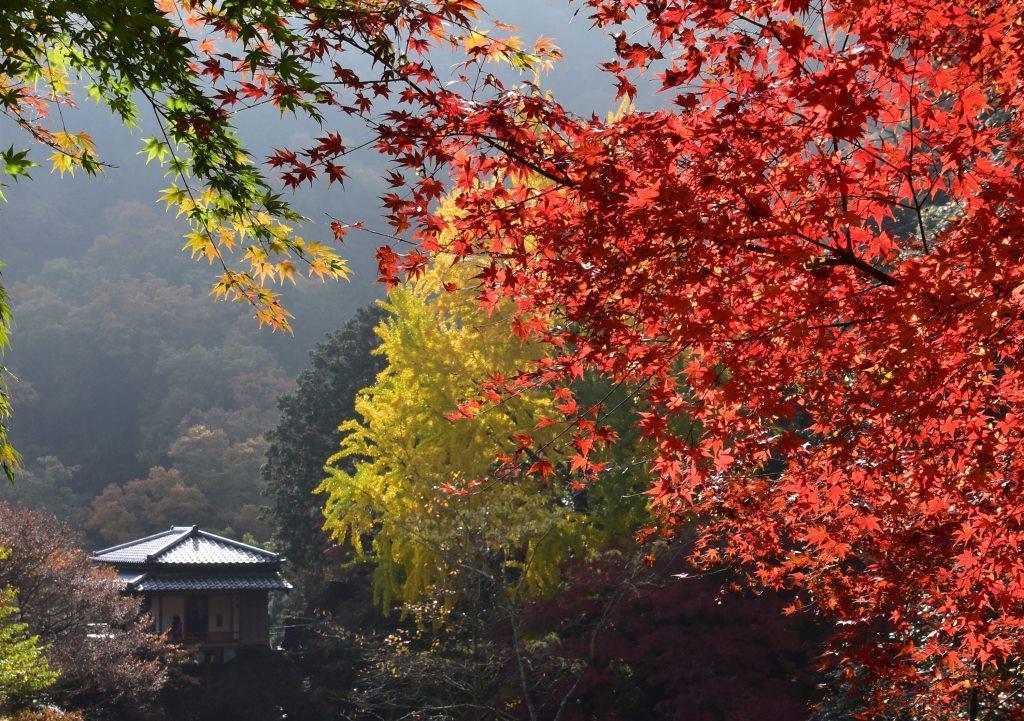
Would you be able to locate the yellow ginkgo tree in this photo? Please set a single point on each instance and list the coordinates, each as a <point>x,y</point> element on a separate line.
<point>422,497</point>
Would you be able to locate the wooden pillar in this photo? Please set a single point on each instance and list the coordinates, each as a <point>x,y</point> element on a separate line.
<point>235,616</point>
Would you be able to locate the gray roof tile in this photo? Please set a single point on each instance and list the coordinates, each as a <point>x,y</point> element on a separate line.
<point>185,545</point>
<point>161,582</point>
<point>137,551</point>
<point>130,577</point>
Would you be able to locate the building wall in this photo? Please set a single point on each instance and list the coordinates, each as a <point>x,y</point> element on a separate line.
<point>222,611</point>
<point>233,618</point>
<point>168,606</point>
<point>254,621</point>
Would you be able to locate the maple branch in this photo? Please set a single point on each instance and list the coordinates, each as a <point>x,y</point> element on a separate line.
<point>359,226</point>
<point>974,703</point>
<point>841,256</point>
<point>910,159</point>
<point>843,324</point>
<point>844,257</point>
<point>523,160</point>
<point>35,132</point>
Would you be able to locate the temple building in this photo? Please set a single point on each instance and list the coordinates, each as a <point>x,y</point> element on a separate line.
<point>202,590</point>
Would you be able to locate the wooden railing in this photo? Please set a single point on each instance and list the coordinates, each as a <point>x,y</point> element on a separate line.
<point>210,638</point>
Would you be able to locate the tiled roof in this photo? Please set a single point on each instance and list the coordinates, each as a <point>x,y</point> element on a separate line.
<point>161,582</point>
<point>207,548</point>
<point>185,545</point>
<point>130,577</point>
<point>136,551</point>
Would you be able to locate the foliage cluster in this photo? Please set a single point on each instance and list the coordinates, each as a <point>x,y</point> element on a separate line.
<point>425,495</point>
<point>622,642</point>
<point>24,671</point>
<point>119,54</point>
<point>518,597</point>
<point>10,460</point>
<point>96,639</point>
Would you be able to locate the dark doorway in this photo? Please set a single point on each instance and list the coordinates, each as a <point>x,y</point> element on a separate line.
<point>197,617</point>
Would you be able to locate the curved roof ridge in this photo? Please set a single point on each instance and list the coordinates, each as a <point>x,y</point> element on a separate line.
<point>137,541</point>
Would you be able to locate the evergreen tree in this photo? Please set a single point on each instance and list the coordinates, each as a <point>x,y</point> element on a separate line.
<point>307,435</point>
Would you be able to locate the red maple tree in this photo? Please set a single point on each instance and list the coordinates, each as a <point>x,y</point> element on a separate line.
<point>806,265</point>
